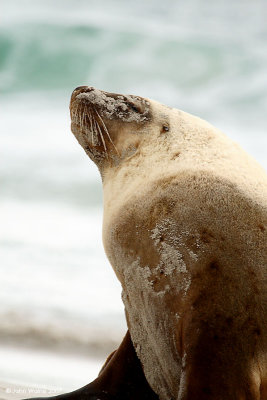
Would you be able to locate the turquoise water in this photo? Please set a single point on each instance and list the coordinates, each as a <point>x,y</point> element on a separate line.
<point>207,58</point>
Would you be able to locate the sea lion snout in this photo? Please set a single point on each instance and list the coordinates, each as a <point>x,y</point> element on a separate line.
<point>99,119</point>
<point>112,106</point>
<point>86,88</point>
<point>80,89</point>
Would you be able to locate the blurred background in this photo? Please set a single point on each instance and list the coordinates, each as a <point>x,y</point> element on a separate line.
<point>60,306</point>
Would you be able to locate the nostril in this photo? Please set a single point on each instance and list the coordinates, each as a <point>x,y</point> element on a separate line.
<point>89,89</point>
<point>84,89</point>
<point>80,88</point>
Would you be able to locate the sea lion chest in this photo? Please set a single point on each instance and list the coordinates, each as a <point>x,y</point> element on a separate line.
<point>146,250</point>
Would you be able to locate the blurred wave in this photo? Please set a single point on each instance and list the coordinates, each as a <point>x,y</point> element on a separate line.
<point>187,54</point>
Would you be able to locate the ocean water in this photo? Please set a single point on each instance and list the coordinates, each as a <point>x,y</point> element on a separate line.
<point>58,291</point>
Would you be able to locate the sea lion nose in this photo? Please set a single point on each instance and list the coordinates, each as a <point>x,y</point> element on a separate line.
<point>81,89</point>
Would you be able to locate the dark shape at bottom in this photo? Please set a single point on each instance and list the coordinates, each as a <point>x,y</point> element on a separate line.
<point>121,378</point>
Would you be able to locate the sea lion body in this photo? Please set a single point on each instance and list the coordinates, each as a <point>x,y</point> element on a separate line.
<point>185,217</point>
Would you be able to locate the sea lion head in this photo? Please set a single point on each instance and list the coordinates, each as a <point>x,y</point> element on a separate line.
<point>110,127</point>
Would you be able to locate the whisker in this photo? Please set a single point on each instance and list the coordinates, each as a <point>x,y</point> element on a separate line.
<point>90,126</point>
<point>90,122</point>
<point>84,118</point>
<point>77,115</point>
<point>74,114</point>
<point>81,114</point>
<point>95,133</point>
<point>87,118</point>
<point>106,130</point>
<point>101,135</point>
<point>102,138</point>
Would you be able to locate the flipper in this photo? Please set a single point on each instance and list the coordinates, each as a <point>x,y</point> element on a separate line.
<point>121,378</point>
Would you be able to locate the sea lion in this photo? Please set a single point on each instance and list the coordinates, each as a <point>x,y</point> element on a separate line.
<point>185,217</point>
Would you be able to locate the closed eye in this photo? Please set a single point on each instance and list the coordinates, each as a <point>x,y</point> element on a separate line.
<point>133,107</point>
